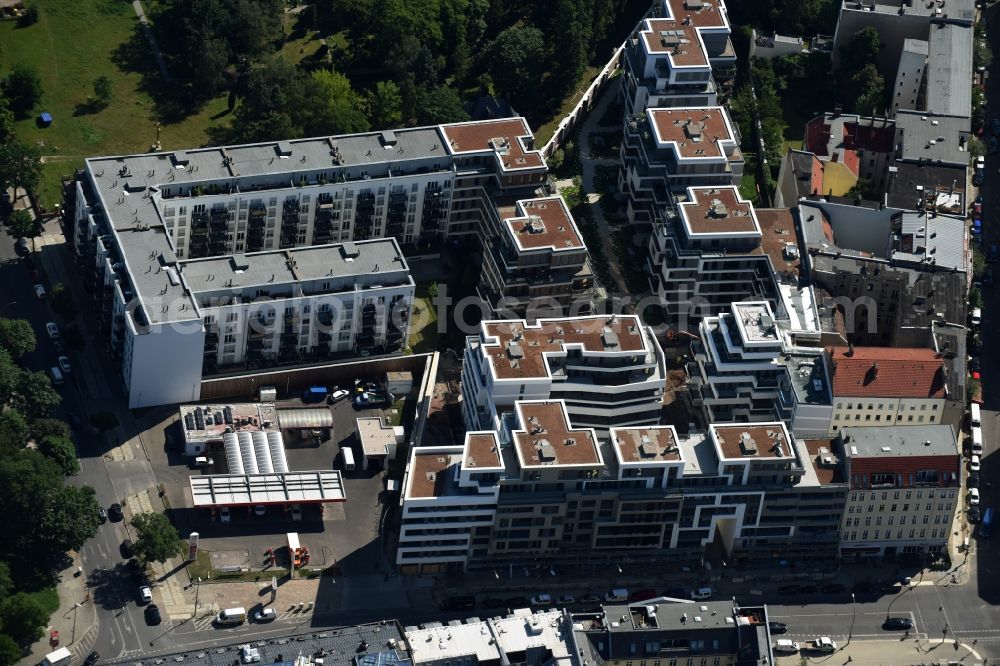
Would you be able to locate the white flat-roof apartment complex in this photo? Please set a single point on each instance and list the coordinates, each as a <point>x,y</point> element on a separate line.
<point>609,370</point>
<point>540,491</point>
<point>177,246</point>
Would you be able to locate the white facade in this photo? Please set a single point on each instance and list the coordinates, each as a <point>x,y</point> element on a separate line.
<point>906,89</point>
<point>885,411</point>
<point>910,520</point>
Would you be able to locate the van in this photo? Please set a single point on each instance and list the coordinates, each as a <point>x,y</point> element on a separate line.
<point>620,594</point>
<point>785,646</point>
<point>974,496</point>
<point>57,658</point>
<point>232,616</point>
<point>702,594</point>
<point>57,376</point>
<point>975,418</point>
<point>348,456</point>
<point>977,440</point>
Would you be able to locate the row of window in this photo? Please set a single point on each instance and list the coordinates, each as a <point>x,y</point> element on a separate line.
<point>887,534</point>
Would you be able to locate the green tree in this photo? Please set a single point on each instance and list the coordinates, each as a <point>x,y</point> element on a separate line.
<point>10,651</point>
<point>861,49</point>
<point>440,105</point>
<point>17,337</point>
<point>104,421</point>
<point>42,428</point>
<point>385,105</point>
<point>157,539</point>
<point>23,89</point>
<point>103,91</point>
<point>71,520</point>
<point>21,224</point>
<point>62,452</point>
<point>866,91</point>
<point>23,618</point>
<point>10,375</point>
<point>35,397</point>
<point>516,61</point>
<point>273,93</point>
<point>975,298</point>
<point>20,165</point>
<point>63,302</point>
<point>6,120</point>
<point>975,147</point>
<point>330,106</point>
<point>14,433</point>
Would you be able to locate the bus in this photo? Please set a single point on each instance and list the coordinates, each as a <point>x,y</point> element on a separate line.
<point>986,526</point>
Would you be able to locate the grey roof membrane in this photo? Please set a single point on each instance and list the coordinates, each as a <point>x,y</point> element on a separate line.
<point>900,441</point>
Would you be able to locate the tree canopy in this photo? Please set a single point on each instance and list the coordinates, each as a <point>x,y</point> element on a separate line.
<point>20,165</point>
<point>17,337</point>
<point>23,90</point>
<point>157,539</point>
<point>62,452</point>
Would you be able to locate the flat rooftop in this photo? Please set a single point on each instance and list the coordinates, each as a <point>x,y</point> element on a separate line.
<point>778,240</point>
<point>275,267</point>
<point>899,441</point>
<point>756,323</point>
<point>482,451</point>
<point>429,473</point>
<point>547,440</point>
<point>507,138</point>
<point>453,642</point>
<point>214,420</point>
<point>955,9</point>
<point>544,223</point>
<point>825,462</point>
<point>935,137</point>
<point>694,133</point>
<point>752,440</point>
<point>718,211</point>
<point>949,69</point>
<point>377,438</point>
<point>523,631</point>
<point>274,488</point>
<point>678,34</point>
<point>516,349</point>
<point>646,445</point>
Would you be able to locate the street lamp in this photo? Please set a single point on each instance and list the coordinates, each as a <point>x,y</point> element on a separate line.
<point>854,614</point>
<point>7,305</point>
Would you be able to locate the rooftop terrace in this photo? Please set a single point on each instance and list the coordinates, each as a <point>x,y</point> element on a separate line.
<point>694,133</point>
<point>544,222</point>
<point>756,440</point>
<point>506,137</point>
<point>546,438</point>
<point>429,473</point>
<point>646,445</point>
<point>718,211</point>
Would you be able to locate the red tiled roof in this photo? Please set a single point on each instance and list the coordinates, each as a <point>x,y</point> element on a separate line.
<point>887,372</point>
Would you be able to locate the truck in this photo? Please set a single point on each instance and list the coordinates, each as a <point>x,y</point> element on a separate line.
<point>314,394</point>
<point>823,644</point>
<point>298,556</point>
<point>58,658</point>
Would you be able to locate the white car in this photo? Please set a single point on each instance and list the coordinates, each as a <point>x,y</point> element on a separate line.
<point>974,464</point>
<point>40,291</point>
<point>203,461</point>
<point>337,396</point>
<point>541,600</point>
<point>823,644</point>
<point>64,364</point>
<point>224,514</point>
<point>977,316</point>
<point>973,496</point>
<point>145,594</point>
<point>785,646</point>
<point>265,615</point>
<point>52,330</point>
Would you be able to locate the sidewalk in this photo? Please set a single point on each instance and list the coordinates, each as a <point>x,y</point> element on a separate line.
<point>76,619</point>
<point>889,653</point>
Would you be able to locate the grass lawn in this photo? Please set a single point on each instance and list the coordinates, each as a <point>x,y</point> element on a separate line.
<point>424,336</point>
<point>748,184</point>
<point>545,132</point>
<point>71,45</point>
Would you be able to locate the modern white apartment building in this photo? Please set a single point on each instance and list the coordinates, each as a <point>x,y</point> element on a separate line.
<point>749,366</point>
<point>609,370</point>
<point>666,150</point>
<point>139,219</point>
<point>676,56</point>
<point>886,386</point>
<point>541,491</point>
<point>905,486</point>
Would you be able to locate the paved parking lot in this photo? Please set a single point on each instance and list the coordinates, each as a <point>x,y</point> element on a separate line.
<point>343,533</point>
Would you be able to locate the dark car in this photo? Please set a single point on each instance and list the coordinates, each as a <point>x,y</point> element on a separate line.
<point>29,263</point>
<point>863,586</point>
<point>516,602</point>
<point>973,515</point>
<point>91,658</point>
<point>458,603</point>
<point>808,589</point>
<point>102,515</point>
<point>994,254</point>
<point>788,589</point>
<point>974,365</point>
<point>74,421</point>
<point>642,595</point>
<point>777,627</point>
<point>115,511</point>
<point>492,602</point>
<point>152,614</point>
<point>21,247</point>
<point>973,480</point>
<point>127,549</point>
<point>596,598</point>
<point>898,623</point>
<point>833,588</point>
<point>676,593</point>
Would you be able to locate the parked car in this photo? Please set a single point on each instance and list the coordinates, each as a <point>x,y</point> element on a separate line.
<point>145,594</point>
<point>897,623</point>
<point>127,549</point>
<point>565,600</point>
<point>21,247</point>
<point>994,254</point>
<point>40,291</point>
<point>153,614</point>
<point>974,495</point>
<point>777,627</point>
<point>52,330</point>
<point>675,593</point>
<point>224,515</point>
<point>823,644</point>
<point>973,480</point>
<point>541,600</point>
<point>461,603</point>
<point>591,599</point>
<point>91,658</point>
<point>492,602</point>
<point>337,396</point>
<point>785,646</point>
<point>296,512</point>
<point>974,464</point>
<point>516,602</point>
<point>64,364</point>
<point>115,511</point>
<point>265,615</point>
<point>973,515</point>
<point>642,595</point>
<point>102,515</point>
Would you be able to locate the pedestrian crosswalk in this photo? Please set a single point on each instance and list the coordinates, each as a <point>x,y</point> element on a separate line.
<point>86,641</point>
